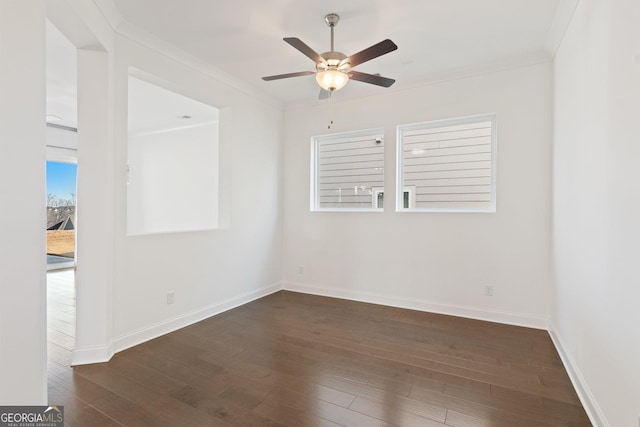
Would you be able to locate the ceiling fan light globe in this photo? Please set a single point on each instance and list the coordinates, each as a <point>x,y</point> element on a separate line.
<point>332,79</point>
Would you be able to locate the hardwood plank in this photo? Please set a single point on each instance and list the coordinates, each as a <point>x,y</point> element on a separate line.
<point>128,413</point>
<point>346,417</point>
<point>285,414</point>
<point>394,412</point>
<point>223,409</point>
<point>90,416</point>
<point>302,360</point>
<point>293,398</point>
<point>166,406</point>
<point>470,412</point>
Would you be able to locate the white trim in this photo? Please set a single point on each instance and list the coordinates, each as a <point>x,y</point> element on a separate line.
<point>150,332</point>
<point>589,402</point>
<point>174,129</point>
<point>478,313</point>
<point>348,210</point>
<point>88,355</point>
<point>375,193</point>
<point>446,210</point>
<point>62,155</point>
<point>559,26</point>
<point>110,12</point>
<point>399,168</point>
<point>313,177</point>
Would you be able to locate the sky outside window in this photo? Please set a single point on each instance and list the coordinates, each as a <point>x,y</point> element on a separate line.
<point>61,180</point>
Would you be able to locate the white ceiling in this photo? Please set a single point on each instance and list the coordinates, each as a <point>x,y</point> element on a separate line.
<point>61,78</point>
<point>153,108</point>
<point>435,38</point>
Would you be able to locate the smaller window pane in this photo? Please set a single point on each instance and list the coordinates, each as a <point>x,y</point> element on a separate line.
<point>450,164</point>
<point>347,167</point>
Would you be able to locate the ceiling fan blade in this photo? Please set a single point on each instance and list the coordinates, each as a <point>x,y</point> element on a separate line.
<point>385,46</point>
<point>286,76</point>
<point>371,78</point>
<point>302,47</point>
<point>324,94</point>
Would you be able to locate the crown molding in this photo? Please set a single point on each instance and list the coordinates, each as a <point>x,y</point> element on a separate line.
<point>143,38</point>
<point>110,12</point>
<point>131,32</point>
<point>559,26</point>
<point>445,76</point>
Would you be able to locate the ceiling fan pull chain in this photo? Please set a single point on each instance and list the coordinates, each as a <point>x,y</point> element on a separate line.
<point>330,110</point>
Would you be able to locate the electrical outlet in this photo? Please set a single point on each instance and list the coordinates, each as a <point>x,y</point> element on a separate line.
<point>300,270</point>
<point>171,297</point>
<point>488,290</point>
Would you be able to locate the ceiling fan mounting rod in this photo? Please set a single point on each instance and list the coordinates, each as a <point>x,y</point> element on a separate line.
<point>332,20</point>
<point>332,27</point>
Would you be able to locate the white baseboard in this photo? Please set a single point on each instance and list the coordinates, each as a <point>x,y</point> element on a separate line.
<point>154,331</point>
<point>478,313</point>
<point>88,355</point>
<point>579,384</point>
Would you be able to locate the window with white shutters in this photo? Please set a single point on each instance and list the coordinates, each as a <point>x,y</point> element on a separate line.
<point>346,168</point>
<point>451,164</point>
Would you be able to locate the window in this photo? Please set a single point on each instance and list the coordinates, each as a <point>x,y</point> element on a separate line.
<point>450,164</point>
<point>346,168</point>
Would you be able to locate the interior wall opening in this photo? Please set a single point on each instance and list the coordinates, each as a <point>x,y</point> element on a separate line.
<point>61,206</point>
<point>172,159</point>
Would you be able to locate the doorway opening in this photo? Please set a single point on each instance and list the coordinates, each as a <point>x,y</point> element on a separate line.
<point>62,168</point>
<point>61,215</point>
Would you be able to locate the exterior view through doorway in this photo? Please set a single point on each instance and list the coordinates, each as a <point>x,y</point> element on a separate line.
<point>61,214</point>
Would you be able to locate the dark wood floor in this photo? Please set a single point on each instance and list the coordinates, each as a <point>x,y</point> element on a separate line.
<point>300,360</point>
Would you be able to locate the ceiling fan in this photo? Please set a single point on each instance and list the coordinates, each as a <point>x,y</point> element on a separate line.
<point>334,69</point>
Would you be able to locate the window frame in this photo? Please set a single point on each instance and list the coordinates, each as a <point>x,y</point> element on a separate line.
<point>400,129</point>
<point>315,169</point>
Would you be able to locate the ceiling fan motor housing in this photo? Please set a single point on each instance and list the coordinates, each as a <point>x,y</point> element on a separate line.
<point>333,61</point>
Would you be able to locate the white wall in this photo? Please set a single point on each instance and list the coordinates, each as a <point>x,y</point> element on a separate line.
<point>432,261</point>
<point>95,207</point>
<point>596,206</point>
<point>208,270</point>
<point>22,186</point>
<point>173,180</point>
<point>62,145</point>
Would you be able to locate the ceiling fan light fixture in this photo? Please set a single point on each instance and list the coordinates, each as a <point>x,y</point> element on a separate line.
<point>332,79</point>
<point>333,68</point>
